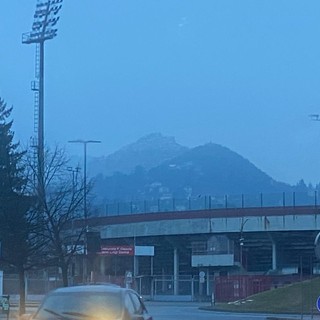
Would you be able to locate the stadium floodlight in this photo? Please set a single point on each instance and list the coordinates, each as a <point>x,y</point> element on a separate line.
<point>43,28</point>
<point>45,19</point>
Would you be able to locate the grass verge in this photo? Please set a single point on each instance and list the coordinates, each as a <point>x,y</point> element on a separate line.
<point>295,298</point>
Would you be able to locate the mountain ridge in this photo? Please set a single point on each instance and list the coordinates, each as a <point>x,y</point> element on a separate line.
<point>183,172</point>
<point>148,151</point>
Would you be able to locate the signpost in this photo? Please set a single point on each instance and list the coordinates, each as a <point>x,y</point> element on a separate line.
<point>128,279</point>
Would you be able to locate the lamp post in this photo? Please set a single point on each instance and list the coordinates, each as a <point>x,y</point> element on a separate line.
<point>85,143</point>
<point>85,213</point>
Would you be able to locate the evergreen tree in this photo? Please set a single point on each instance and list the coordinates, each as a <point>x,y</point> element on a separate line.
<point>18,226</point>
<point>11,170</point>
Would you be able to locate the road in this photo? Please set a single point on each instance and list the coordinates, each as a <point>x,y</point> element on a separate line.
<point>191,311</point>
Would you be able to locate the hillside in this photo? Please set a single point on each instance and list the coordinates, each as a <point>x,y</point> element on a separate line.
<point>210,169</point>
<point>214,169</point>
<point>297,298</point>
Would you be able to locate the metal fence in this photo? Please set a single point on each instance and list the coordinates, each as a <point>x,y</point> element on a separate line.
<point>170,288</point>
<point>220,288</point>
<point>34,286</point>
<point>262,200</point>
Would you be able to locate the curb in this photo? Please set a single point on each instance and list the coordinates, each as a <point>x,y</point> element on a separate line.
<point>28,304</point>
<point>279,318</point>
<point>267,318</point>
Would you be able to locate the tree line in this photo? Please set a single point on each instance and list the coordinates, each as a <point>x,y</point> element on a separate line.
<point>35,229</point>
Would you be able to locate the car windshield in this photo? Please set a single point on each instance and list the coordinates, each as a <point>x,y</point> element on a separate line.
<point>95,305</point>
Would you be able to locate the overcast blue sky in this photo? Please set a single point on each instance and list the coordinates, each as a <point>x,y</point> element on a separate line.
<point>241,73</point>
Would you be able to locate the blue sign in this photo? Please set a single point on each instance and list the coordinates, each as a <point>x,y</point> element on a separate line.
<point>318,304</point>
<point>4,303</point>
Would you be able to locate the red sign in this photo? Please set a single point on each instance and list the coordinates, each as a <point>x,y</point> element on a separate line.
<point>117,250</point>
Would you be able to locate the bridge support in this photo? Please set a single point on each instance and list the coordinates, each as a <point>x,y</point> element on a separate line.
<point>274,255</point>
<point>175,271</point>
<point>102,265</point>
<point>135,266</point>
<point>208,282</point>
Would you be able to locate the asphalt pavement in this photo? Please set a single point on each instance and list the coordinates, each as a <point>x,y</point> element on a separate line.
<point>185,311</point>
<point>197,311</point>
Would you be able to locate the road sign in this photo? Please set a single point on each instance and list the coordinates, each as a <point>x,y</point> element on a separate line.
<point>317,245</point>
<point>117,250</point>
<point>128,277</point>
<point>202,274</point>
<point>5,305</point>
<point>318,304</point>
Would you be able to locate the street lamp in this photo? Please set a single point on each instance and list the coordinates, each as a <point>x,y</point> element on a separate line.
<point>85,143</point>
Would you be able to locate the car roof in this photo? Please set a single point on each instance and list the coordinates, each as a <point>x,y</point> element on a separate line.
<point>91,288</point>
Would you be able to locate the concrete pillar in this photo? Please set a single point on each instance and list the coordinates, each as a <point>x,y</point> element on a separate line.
<point>102,265</point>
<point>1,282</point>
<point>163,281</point>
<point>135,266</point>
<point>274,256</point>
<point>192,289</point>
<point>208,282</point>
<point>151,266</point>
<point>175,271</point>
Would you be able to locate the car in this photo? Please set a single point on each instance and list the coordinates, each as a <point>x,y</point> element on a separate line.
<point>92,302</point>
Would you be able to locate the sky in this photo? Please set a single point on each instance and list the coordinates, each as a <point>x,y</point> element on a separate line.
<point>241,73</point>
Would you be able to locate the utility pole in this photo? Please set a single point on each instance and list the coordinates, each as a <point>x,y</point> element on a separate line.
<point>43,28</point>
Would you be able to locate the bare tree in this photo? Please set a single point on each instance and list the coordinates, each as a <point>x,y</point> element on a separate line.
<point>59,207</point>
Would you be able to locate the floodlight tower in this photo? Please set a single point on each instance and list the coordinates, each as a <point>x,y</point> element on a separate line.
<point>43,28</point>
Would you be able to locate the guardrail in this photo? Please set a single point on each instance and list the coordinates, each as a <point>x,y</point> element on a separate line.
<point>204,202</point>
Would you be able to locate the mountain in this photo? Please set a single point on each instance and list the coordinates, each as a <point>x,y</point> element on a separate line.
<point>210,169</point>
<point>216,170</point>
<point>147,152</point>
